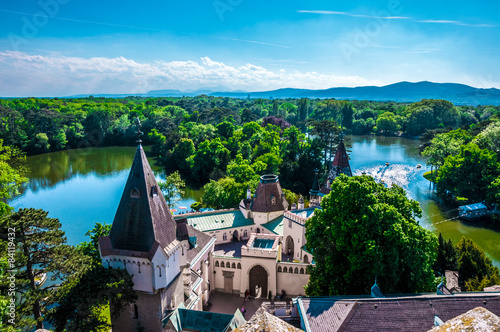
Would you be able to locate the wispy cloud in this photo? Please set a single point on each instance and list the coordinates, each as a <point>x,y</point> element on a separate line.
<point>458,23</point>
<point>22,74</point>
<point>251,41</point>
<point>329,12</point>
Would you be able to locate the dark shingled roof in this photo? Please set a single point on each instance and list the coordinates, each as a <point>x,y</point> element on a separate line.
<point>269,187</point>
<point>412,313</point>
<point>202,240</point>
<point>340,165</point>
<point>143,216</point>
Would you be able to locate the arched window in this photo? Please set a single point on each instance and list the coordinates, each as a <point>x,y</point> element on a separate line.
<point>245,233</point>
<point>306,259</point>
<point>228,264</point>
<point>216,263</point>
<point>290,270</point>
<point>139,266</point>
<point>285,270</point>
<point>233,266</point>
<point>222,264</point>
<point>301,270</point>
<point>258,230</point>
<point>159,271</point>
<point>296,271</point>
<point>224,237</point>
<point>279,268</point>
<point>182,248</point>
<point>239,266</point>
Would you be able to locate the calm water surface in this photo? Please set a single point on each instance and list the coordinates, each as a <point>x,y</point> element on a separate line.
<point>84,186</point>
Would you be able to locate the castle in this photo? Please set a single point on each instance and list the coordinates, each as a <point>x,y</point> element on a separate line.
<point>257,248</point>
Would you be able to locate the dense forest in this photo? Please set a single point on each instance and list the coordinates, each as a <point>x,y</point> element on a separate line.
<point>226,143</point>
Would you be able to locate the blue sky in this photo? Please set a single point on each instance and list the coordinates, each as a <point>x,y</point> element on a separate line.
<point>64,47</point>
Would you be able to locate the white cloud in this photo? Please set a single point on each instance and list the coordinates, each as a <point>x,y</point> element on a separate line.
<point>22,74</point>
<point>331,12</point>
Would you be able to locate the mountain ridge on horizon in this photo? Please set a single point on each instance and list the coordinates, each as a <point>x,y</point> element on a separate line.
<point>404,91</point>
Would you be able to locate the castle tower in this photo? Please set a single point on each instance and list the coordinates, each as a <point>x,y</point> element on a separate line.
<point>340,165</point>
<point>143,241</point>
<point>315,193</point>
<point>166,258</point>
<point>269,200</point>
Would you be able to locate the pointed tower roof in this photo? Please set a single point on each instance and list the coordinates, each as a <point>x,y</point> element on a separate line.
<point>341,160</point>
<point>315,187</point>
<point>268,195</point>
<point>143,217</point>
<point>340,165</point>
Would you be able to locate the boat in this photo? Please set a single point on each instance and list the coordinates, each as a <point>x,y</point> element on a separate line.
<point>419,166</point>
<point>40,280</point>
<point>473,212</point>
<point>387,164</point>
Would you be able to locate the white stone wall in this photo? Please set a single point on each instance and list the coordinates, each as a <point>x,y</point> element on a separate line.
<point>143,280</point>
<point>166,267</point>
<point>297,233</point>
<point>219,234</point>
<point>219,277</point>
<point>293,283</point>
<point>260,218</point>
<point>268,264</point>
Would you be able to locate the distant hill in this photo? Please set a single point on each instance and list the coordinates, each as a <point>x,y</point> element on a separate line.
<point>458,94</point>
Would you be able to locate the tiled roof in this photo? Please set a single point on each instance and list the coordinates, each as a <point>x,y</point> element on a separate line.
<point>411,313</point>
<point>325,315</point>
<point>217,220</point>
<point>143,216</point>
<point>202,240</point>
<point>268,195</point>
<point>477,319</point>
<point>275,225</point>
<point>264,321</point>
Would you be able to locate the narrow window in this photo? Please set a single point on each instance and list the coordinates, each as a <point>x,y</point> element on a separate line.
<point>224,237</point>
<point>222,264</point>
<point>285,270</point>
<point>279,268</point>
<point>301,270</point>
<point>136,312</point>
<point>216,263</point>
<point>233,266</point>
<point>159,271</point>
<point>239,265</point>
<point>139,266</point>
<point>296,271</point>
<point>135,193</point>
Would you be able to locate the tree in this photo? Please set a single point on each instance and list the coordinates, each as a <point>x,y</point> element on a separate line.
<point>210,160</point>
<point>223,194</point>
<point>489,138</point>
<point>182,154</point>
<point>469,173</point>
<point>387,123</point>
<point>444,145</point>
<point>446,257</point>
<point>474,266</point>
<point>12,174</point>
<point>172,188</point>
<point>366,230</point>
<point>82,302</point>
<point>40,248</point>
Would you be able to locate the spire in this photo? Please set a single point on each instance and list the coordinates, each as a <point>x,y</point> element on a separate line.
<point>143,217</point>
<point>340,165</point>
<point>315,187</point>
<point>138,132</point>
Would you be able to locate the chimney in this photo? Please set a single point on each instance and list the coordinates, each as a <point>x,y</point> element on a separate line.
<point>301,203</point>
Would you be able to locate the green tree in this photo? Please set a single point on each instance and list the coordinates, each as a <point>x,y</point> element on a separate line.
<point>223,194</point>
<point>387,123</point>
<point>12,174</point>
<point>40,248</point>
<point>489,138</point>
<point>474,266</point>
<point>444,145</point>
<point>469,173</point>
<point>366,230</point>
<point>183,154</point>
<point>225,129</point>
<point>172,188</point>
<point>42,142</point>
<point>83,303</point>
<point>210,160</point>
<point>446,257</point>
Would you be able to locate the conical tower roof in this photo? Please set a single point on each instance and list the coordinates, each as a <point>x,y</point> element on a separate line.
<point>143,216</point>
<point>341,159</point>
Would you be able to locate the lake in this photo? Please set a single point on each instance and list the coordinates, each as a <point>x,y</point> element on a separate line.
<point>84,186</point>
